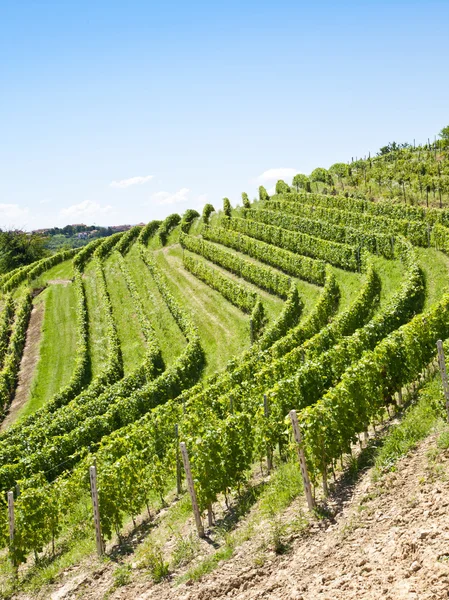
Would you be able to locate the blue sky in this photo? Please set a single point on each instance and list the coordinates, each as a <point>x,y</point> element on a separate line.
<point>121,112</point>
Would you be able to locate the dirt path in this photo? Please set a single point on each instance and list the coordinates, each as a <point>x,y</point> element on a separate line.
<point>27,366</point>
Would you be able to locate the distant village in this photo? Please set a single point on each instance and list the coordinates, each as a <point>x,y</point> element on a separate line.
<point>77,234</point>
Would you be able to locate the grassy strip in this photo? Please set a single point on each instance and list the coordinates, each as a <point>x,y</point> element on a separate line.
<point>57,346</point>
<point>223,329</point>
<point>170,338</point>
<point>417,422</point>
<point>435,265</point>
<point>98,322</point>
<point>132,341</point>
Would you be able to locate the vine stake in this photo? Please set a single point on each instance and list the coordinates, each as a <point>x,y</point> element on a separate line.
<point>178,463</point>
<point>96,507</point>
<point>191,487</point>
<point>266,409</point>
<point>302,460</point>
<point>11,524</point>
<point>442,363</point>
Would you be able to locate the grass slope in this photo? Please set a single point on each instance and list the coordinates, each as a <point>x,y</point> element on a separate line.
<point>129,331</point>
<point>435,265</point>
<point>57,346</point>
<point>98,344</point>
<point>170,338</point>
<point>223,328</point>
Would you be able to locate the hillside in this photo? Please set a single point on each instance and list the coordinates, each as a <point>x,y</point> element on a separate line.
<point>327,298</point>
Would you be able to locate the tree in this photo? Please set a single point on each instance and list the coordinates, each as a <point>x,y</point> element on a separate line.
<point>444,134</point>
<point>322,176</point>
<point>18,248</point>
<point>300,182</point>
<point>282,187</point>
<point>340,170</point>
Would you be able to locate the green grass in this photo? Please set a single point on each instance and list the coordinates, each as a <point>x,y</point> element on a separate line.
<point>435,265</point>
<point>223,328</point>
<point>349,284</point>
<point>97,342</point>
<point>129,331</point>
<point>62,271</point>
<point>417,422</point>
<point>170,338</point>
<point>390,273</point>
<point>57,346</point>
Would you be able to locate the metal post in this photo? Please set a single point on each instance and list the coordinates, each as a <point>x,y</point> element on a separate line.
<point>302,460</point>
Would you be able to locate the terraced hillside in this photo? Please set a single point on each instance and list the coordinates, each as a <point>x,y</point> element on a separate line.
<point>208,330</point>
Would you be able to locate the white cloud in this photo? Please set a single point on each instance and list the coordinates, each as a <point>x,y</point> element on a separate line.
<point>12,211</point>
<point>87,208</point>
<point>163,198</point>
<point>45,201</point>
<point>124,183</point>
<point>275,174</point>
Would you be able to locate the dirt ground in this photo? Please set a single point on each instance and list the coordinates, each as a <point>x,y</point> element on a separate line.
<point>28,364</point>
<point>388,540</point>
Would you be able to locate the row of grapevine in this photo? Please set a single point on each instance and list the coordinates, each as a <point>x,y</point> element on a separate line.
<point>383,208</point>
<point>10,371</point>
<point>340,255</point>
<point>323,367</point>
<point>417,232</point>
<point>6,321</point>
<point>264,277</point>
<point>285,365</point>
<point>187,219</point>
<point>303,267</point>
<point>128,239</point>
<point>154,363</point>
<point>167,225</point>
<point>440,238</point>
<point>80,426</point>
<point>376,243</point>
<point>22,436</point>
<point>33,270</point>
<point>234,292</point>
<point>242,368</point>
<point>148,231</point>
<point>147,464</point>
<point>332,424</point>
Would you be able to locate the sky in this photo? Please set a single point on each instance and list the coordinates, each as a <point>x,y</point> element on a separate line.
<point>123,112</point>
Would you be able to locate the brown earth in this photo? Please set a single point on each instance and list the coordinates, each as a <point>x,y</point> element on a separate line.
<point>388,540</point>
<point>28,364</point>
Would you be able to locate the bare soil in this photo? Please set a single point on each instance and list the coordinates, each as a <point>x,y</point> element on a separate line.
<point>387,540</point>
<point>28,364</point>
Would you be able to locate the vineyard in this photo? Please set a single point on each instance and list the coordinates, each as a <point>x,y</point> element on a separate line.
<point>178,350</point>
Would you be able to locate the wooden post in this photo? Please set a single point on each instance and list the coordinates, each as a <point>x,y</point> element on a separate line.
<point>191,487</point>
<point>178,463</point>
<point>266,410</point>
<point>10,496</point>
<point>302,460</point>
<point>96,509</point>
<point>442,363</point>
<point>210,515</point>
